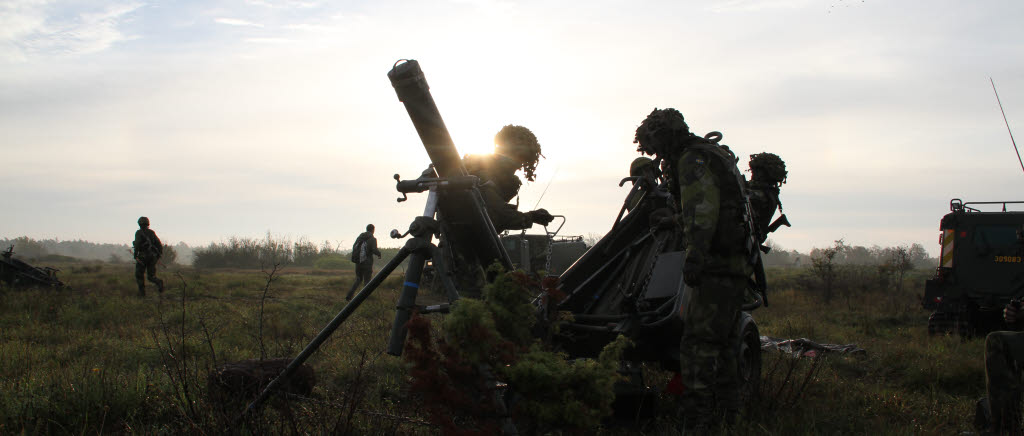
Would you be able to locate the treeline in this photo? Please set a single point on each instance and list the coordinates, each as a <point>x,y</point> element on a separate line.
<point>57,250</point>
<point>843,254</point>
<point>250,253</point>
<point>850,271</point>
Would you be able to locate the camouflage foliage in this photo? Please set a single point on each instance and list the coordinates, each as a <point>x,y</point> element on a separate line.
<point>520,143</point>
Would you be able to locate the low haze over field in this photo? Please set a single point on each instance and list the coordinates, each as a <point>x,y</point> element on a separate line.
<point>234,118</point>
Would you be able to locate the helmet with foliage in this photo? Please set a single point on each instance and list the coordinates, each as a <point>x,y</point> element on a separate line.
<point>143,221</point>
<point>767,168</point>
<point>661,132</point>
<point>521,144</point>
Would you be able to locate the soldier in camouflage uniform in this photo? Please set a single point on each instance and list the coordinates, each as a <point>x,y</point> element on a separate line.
<point>147,250</point>
<point>515,148</point>
<point>1000,412</point>
<point>717,262</point>
<point>767,174</point>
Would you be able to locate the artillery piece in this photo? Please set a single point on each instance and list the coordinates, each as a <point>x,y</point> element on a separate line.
<point>16,273</point>
<point>629,283</point>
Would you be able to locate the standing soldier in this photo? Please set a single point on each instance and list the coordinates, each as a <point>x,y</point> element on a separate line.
<point>147,251</point>
<point>767,174</point>
<point>717,263</point>
<point>363,251</point>
<point>515,148</point>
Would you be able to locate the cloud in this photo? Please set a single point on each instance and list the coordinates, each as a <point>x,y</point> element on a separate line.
<point>757,5</point>
<point>32,28</point>
<point>237,22</point>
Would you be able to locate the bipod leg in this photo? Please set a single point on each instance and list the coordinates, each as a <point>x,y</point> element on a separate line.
<point>330,328</point>
<point>420,251</point>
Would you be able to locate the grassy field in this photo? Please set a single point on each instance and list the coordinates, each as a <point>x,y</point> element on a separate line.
<point>98,359</point>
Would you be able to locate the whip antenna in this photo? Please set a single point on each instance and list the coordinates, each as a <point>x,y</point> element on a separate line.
<point>1007,124</point>
<point>549,185</point>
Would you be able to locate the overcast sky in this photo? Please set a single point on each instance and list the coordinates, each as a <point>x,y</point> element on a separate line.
<point>234,118</point>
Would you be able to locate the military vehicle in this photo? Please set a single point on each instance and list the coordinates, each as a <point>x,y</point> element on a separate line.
<point>629,283</point>
<point>16,273</point>
<point>981,268</point>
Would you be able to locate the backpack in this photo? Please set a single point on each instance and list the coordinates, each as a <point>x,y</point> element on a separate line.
<point>355,249</point>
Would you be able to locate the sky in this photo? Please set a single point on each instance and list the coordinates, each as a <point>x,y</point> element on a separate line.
<point>238,118</point>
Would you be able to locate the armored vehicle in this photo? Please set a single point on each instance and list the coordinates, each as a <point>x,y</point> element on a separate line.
<point>547,253</point>
<point>981,268</point>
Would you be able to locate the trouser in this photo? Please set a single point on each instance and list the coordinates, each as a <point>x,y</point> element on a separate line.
<point>708,360</point>
<point>147,269</point>
<point>1004,353</point>
<point>364,272</point>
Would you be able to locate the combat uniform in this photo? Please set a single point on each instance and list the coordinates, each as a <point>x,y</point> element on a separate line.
<point>717,269</point>
<point>147,250</point>
<point>367,248</point>
<point>499,185</point>
<point>1004,355</point>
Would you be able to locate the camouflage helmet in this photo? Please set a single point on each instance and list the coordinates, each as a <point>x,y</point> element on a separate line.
<point>521,144</point>
<point>143,221</point>
<point>660,131</point>
<point>640,164</point>
<point>767,168</point>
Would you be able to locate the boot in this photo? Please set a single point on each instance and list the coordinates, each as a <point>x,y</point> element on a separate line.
<point>142,290</point>
<point>160,286</point>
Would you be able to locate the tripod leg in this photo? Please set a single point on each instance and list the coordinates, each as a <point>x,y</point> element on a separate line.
<point>331,327</point>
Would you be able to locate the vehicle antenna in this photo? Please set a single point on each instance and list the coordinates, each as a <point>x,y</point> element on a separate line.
<point>1007,124</point>
<point>546,188</point>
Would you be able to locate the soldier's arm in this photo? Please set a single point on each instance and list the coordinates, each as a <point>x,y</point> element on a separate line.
<point>136,243</point>
<point>699,200</point>
<point>373,247</point>
<point>503,215</point>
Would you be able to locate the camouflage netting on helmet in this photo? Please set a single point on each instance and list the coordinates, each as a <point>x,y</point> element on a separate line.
<point>767,168</point>
<point>520,143</point>
<point>659,125</point>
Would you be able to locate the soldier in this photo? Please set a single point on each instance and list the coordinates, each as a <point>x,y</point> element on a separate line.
<point>642,166</point>
<point>147,251</point>
<point>515,148</point>
<point>767,175</point>
<point>999,412</point>
<point>363,251</point>
<point>703,175</point>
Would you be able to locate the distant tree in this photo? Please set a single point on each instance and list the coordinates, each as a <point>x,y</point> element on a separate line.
<point>114,258</point>
<point>900,262</point>
<point>919,257</point>
<point>823,263</point>
<point>170,255</point>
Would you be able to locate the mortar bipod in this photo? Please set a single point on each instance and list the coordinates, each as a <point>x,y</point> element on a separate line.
<point>418,250</point>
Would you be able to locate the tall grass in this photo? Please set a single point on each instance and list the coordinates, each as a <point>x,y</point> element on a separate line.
<point>97,359</point>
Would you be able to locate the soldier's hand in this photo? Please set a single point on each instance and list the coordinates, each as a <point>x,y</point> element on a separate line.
<point>693,266</point>
<point>1010,313</point>
<point>541,216</point>
<point>662,218</point>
